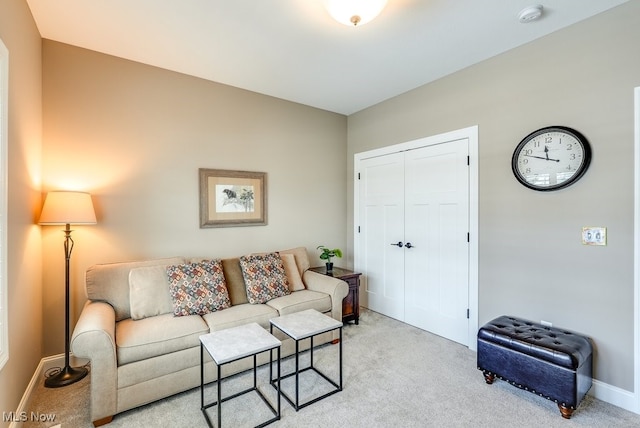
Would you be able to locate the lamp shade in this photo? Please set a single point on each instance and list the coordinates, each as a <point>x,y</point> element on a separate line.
<point>354,12</point>
<point>62,207</point>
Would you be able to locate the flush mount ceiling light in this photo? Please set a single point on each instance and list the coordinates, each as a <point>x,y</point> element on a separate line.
<point>354,12</point>
<point>530,13</point>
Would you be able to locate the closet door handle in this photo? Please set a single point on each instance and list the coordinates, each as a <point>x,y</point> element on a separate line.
<point>409,245</point>
<point>399,244</point>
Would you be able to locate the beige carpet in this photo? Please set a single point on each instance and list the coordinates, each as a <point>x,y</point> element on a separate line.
<point>395,375</point>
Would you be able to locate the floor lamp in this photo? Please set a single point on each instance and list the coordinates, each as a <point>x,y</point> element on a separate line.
<point>62,207</point>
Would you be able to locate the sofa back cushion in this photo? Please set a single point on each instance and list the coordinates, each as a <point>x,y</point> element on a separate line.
<point>149,292</point>
<point>293,274</point>
<point>110,283</point>
<point>301,257</point>
<point>235,281</point>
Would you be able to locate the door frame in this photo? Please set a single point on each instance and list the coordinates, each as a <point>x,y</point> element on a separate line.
<point>470,133</point>
<point>635,407</point>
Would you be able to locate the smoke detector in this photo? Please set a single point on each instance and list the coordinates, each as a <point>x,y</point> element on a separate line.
<point>530,13</point>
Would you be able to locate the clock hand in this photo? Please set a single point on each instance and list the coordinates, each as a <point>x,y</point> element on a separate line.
<point>546,152</point>
<point>543,158</point>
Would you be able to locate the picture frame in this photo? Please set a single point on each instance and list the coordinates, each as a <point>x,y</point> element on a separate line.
<point>232,198</point>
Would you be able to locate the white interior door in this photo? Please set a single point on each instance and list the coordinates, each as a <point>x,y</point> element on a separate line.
<point>418,196</point>
<point>436,231</point>
<point>382,223</point>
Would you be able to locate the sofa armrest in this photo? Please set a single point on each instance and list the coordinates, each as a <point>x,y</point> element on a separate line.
<point>334,287</point>
<point>94,338</point>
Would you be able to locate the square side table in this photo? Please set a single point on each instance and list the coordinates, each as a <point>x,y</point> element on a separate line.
<point>305,325</point>
<point>229,345</point>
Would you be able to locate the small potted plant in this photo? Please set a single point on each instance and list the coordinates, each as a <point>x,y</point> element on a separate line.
<point>327,253</point>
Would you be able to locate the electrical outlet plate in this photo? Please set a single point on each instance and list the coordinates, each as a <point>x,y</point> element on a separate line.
<point>594,236</point>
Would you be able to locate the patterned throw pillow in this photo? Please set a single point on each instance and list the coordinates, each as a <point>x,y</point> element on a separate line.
<point>198,288</point>
<point>264,277</point>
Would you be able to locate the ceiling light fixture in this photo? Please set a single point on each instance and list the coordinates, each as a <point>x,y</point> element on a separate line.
<point>530,13</point>
<point>354,12</point>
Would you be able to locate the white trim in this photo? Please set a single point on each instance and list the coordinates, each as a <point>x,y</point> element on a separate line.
<point>636,251</point>
<point>474,228</point>
<point>44,365</point>
<point>4,287</point>
<point>613,395</point>
<point>35,379</point>
<point>470,133</point>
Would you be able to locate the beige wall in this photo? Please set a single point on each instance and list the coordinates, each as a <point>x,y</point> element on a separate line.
<point>134,136</point>
<point>20,36</point>
<point>532,263</point>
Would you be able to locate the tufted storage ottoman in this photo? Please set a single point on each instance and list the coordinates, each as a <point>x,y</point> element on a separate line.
<point>551,362</point>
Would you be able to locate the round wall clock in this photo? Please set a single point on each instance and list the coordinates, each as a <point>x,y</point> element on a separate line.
<point>551,158</point>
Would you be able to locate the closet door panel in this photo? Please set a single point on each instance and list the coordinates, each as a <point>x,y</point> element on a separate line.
<point>382,224</point>
<point>436,213</point>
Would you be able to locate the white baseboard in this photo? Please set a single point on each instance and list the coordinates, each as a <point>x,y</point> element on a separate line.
<point>37,375</point>
<point>45,365</point>
<point>614,395</point>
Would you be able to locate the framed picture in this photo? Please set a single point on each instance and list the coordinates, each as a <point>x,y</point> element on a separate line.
<point>232,198</point>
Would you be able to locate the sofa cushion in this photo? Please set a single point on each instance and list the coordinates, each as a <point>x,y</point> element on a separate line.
<point>239,315</point>
<point>138,372</point>
<point>149,292</point>
<point>197,288</point>
<point>301,256</point>
<point>292,272</point>
<point>159,335</point>
<point>110,283</point>
<point>264,277</point>
<point>235,281</point>
<point>301,300</point>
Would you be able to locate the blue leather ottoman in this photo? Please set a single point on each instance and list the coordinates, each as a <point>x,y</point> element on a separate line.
<point>548,361</point>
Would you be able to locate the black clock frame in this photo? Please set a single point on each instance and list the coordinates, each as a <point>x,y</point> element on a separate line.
<point>586,161</point>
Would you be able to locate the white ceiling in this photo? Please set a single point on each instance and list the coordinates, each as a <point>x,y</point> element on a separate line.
<point>292,49</point>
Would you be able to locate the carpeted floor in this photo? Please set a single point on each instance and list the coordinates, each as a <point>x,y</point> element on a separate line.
<point>395,375</point>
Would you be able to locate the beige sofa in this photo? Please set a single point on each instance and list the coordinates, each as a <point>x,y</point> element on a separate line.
<point>138,361</point>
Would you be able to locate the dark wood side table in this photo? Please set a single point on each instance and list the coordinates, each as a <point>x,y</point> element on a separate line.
<point>351,303</point>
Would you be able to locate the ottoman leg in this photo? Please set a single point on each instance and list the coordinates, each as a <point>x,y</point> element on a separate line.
<point>565,411</point>
<point>489,377</point>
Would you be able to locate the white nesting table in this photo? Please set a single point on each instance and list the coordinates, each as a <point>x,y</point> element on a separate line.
<point>305,325</point>
<point>232,344</point>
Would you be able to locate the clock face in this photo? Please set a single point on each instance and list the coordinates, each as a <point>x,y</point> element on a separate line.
<point>551,158</point>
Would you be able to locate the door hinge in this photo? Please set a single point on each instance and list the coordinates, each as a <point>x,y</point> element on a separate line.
<point>467,313</point>
<point>468,160</point>
<point>468,237</point>
<point>358,229</point>
<point>358,176</point>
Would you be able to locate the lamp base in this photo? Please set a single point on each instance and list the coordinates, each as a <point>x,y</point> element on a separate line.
<point>66,376</point>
